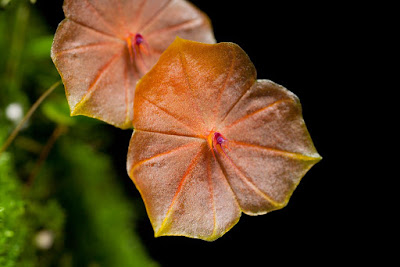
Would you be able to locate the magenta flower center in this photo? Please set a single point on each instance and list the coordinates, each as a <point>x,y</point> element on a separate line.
<point>218,138</point>
<point>138,39</point>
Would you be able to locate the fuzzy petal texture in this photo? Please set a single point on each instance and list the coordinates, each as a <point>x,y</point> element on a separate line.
<point>103,47</point>
<point>211,141</point>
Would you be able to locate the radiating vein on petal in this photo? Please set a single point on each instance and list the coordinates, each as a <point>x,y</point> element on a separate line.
<point>154,16</point>
<point>211,189</point>
<point>190,88</point>
<point>171,134</point>
<point>251,184</point>
<point>100,16</point>
<point>292,155</point>
<point>96,30</point>
<point>267,108</point>
<point>93,87</point>
<point>137,164</point>
<point>175,27</point>
<point>223,88</point>
<point>139,12</point>
<point>234,104</point>
<point>84,48</point>
<point>179,120</point>
<point>180,186</point>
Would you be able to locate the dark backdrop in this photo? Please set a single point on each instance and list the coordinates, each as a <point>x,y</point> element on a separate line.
<point>299,46</point>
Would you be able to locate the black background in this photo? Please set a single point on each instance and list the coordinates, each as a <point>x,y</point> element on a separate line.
<point>305,48</point>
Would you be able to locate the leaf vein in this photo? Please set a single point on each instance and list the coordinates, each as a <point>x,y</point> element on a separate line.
<point>143,27</point>
<point>82,48</point>
<point>179,189</point>
<point>258,111</point>
<point>240,98</point>
<point>95,30</point>
<point>174,27</point>
<point>223,88</point>
<point>170,114</point>
<point>251,184</point>
<point>211,189</point>
<point>92,87</point>
<point>186,76</point>
<point>172,134</point>
<point>139,163</point>
<point>293,155</point>
<point>99,15</point>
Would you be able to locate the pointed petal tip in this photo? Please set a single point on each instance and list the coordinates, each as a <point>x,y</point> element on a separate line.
<point>314,157</point>
<point>73,111</point>
<point>178,41</point>
<point>181,41</point>
<point>164,231</point>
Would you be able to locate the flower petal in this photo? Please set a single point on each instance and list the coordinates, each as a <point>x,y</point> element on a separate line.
<point>96,52</point>
<point>215,141</point>
<point>200,83</point>
<point>192,198</point>
<point>269,115</point>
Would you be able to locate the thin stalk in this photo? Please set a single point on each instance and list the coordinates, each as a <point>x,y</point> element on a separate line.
<point>27,116</point>
<point>58,131</point>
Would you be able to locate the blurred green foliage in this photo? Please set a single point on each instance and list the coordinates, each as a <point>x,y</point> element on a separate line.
<point>61,200</point>
<point>13,230</point>
<point>107,235</point>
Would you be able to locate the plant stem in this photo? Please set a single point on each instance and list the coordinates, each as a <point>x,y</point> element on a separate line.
<point>58,131</point>
<point>27,116</point>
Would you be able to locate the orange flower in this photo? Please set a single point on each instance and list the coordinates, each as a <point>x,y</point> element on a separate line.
<point>211,141</point>
<point>103,48</point>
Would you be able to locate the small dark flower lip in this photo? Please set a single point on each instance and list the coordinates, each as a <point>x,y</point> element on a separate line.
<point>139,39</point>
<point>218,138</point>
